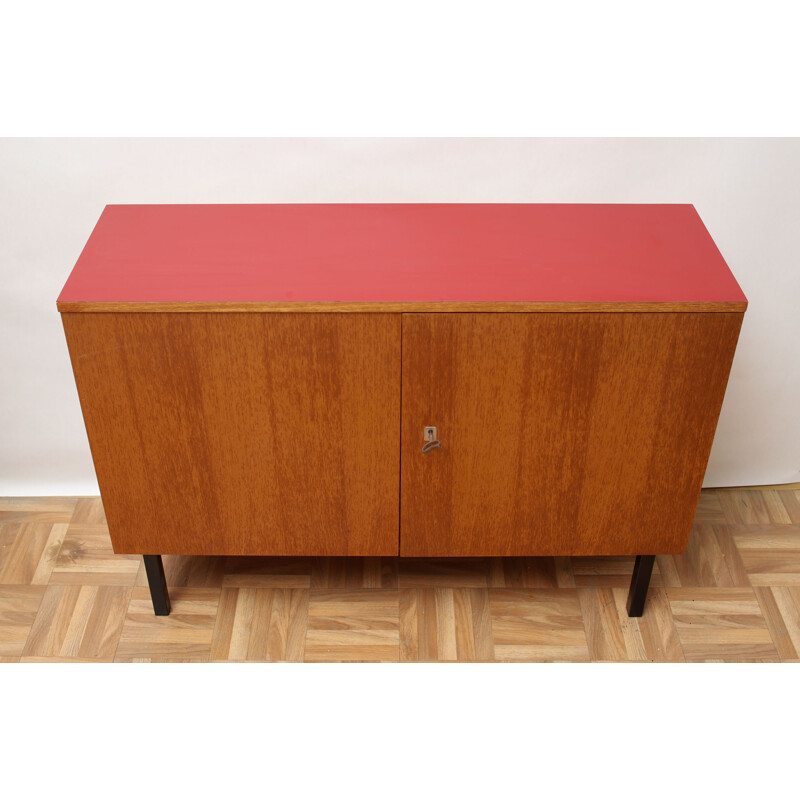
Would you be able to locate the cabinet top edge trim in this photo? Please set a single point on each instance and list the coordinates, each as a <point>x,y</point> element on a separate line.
<point>407,307</point>
<point>394,253</point>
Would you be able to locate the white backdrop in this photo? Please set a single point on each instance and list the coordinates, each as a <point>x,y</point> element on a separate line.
<point>52,191</point>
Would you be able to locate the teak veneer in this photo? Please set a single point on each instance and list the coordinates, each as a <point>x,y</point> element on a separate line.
<point>260,380</point>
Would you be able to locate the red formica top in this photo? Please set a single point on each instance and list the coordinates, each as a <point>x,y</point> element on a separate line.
<point>388,253</point>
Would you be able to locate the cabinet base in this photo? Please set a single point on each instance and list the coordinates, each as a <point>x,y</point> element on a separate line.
<point>640,582</point>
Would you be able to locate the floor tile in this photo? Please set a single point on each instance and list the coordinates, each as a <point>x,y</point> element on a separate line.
<point>255,624</point>
<point>445,624</point>
<point>18,608</point>
<point>28,551</point>
<point>353,625</point>
<point>354,573</point>
<point>462,573</point>
<point>87,558</point>
<point>770,554</point>
<point>537,625</point>
<point>780,606</point>
<point>608,571</point>
<point>88,511</point>
<point>78,622</point>
<point>720,623</point>
<point>186,633</point>
<point>268,573</point>
<point>49,510</point>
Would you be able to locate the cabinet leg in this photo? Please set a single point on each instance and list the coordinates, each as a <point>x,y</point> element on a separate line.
<point>154,567</point>
<point>642,570</point>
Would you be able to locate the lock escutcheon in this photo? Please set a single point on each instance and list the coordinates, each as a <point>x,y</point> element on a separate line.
<point>430,437</point>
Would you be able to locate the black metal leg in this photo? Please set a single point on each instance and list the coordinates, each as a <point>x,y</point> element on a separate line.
<point>154,567</point>
<point>642,570</point>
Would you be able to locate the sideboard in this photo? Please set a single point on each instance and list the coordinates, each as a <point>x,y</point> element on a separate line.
<point>413,380</point>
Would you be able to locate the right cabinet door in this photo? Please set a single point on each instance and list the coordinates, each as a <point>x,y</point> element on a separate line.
<point>561,433</point>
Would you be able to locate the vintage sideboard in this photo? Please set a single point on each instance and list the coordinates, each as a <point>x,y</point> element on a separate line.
<point>414,380</point>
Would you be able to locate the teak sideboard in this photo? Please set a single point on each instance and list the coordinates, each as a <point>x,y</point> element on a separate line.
<point>413,380</point>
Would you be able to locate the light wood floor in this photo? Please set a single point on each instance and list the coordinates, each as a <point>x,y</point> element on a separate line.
<point>734,596</point>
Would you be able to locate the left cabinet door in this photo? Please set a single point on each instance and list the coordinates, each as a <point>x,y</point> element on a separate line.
<point>243,433</point>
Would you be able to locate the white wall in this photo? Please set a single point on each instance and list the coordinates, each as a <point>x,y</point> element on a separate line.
<point>53,190</point>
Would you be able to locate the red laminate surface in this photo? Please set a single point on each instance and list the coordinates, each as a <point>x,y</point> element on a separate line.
<point>400,253</point>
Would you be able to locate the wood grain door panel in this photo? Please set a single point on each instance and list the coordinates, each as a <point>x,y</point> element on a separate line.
<point>243,434</point>
<point>579,434</point>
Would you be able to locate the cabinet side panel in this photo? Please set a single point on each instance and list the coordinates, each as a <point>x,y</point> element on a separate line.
<point>243,434</point>
<point>562,434</point>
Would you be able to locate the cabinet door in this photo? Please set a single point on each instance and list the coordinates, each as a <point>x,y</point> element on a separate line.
<point>562,433</point>
<point>243,433</point>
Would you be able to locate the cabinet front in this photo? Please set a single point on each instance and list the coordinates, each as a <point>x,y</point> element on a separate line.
<point>559,433</point>
<point>243,433</point>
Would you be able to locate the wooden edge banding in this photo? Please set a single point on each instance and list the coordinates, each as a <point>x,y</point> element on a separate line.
<point>451,307</point>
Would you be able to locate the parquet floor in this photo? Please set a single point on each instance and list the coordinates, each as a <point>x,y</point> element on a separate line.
<point>734,596</point>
